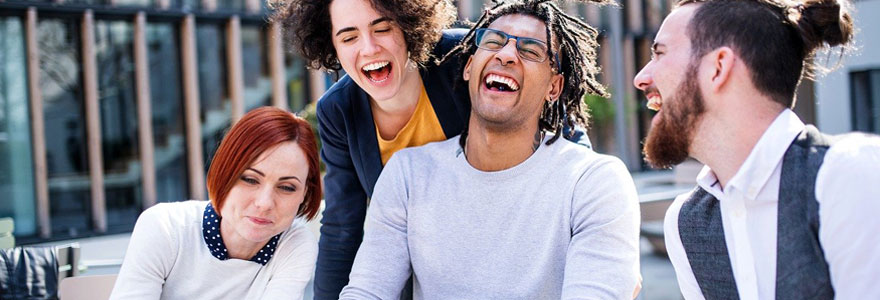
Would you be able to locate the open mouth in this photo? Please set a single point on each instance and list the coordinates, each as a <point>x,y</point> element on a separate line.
<point>500,83</point>
<point>378,71</point>
<point>655,102</point>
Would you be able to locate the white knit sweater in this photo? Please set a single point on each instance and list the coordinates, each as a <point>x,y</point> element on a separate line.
<point>563,224</point>
<point>167,258</point>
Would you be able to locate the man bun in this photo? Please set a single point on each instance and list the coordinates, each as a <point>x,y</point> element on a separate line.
<point>822,22</point>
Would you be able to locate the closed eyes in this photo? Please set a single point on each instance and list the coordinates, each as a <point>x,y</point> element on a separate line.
<point>249,180</point>
<point>656,54</point>
<point>288,188</point>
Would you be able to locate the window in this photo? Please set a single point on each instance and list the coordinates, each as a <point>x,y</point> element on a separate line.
<point>215,104</point>
<point>230,5</point>
<point>142,3</point>
<point>169,137</point>
<point>865,93</point>
<point>65,126</point>
<point>257,82</point>
<point>49,194</point>
<point>187,4</point>
<point>16,156</point>
<point>297,82</point>
<point>81,2</point>
<point>477,7</point>
<point>119,123</point>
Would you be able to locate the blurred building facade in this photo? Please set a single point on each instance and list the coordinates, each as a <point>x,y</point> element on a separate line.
<point>110,106</point>
<point>848,99</point>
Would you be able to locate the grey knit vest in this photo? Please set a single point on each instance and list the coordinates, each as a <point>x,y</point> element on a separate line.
<point>801,270</point>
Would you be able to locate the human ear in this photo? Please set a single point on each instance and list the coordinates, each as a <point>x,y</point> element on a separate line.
<point>556,84</point>
<point>722,60</point>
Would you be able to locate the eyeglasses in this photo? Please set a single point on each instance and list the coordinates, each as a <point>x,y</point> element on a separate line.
<point>528,48</point>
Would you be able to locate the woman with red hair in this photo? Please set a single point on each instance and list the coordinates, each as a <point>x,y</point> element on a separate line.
<point>246,242</point>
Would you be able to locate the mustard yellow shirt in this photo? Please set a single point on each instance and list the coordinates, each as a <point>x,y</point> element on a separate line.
<point>422,128</point>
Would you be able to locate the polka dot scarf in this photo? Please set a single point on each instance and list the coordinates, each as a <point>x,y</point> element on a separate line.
<point>211,233</point>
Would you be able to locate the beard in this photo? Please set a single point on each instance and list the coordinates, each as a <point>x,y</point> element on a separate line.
<point>669,142</point>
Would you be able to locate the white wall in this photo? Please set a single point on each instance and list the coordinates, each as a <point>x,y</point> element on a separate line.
<point>833,107</point>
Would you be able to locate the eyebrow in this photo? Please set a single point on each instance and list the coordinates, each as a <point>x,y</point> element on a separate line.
<point>352,28</point>
<point>517,36</point>
<point>282,178</point>
<point>380,20</point>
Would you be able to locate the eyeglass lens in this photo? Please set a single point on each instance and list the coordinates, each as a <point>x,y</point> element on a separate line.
<point>528,48</point>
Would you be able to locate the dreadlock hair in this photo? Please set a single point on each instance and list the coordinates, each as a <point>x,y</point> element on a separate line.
<point>575,43</point>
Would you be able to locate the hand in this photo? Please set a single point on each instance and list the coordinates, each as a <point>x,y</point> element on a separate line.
<point>638,287</point>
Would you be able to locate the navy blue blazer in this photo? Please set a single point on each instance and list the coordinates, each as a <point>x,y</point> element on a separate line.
<point>350,151</point>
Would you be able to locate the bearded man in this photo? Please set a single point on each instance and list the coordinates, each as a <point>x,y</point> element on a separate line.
<point>781,210</point>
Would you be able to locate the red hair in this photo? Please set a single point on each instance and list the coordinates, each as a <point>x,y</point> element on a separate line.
<point>256,132</point>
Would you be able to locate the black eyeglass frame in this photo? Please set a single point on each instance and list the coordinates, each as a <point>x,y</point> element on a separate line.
<point>479,33</point>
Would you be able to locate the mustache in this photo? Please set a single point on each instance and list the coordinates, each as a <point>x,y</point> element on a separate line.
<point>652,89</point>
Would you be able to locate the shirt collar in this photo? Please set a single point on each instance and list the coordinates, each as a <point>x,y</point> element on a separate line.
<point>214,242</point>
<point>755,172</point>
<point>706,180</point>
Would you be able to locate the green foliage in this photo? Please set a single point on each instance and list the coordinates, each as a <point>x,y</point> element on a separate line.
<point>601,109</point>
<point>310,113</point>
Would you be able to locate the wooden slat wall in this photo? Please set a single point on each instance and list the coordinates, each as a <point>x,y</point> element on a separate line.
<point>276,67</point>
<point>316,84</point>
<point>235,78</point>
<point>38,134</point>
<point>144,111</point>
<point>209,5</point>
<point>189,66</point>
<point>93,122</point>
<point>163,4</point>
<point>195,159</point>
<point>252,6</point>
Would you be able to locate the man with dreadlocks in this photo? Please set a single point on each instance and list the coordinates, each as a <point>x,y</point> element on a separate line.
<point>781,210</point>
<point>503,211</point>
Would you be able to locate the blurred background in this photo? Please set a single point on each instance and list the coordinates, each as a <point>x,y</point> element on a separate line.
<point>108,107</point>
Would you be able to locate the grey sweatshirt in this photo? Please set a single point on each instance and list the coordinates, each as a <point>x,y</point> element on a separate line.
<point>562,224</point>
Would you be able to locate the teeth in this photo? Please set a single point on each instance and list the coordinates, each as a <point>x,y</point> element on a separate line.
<point>654,103</point>
<point>375,66</point>
<point>377,81</point>
<point>503,80</point>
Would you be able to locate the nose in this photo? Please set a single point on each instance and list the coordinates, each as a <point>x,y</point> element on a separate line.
<point>264,199</point>
<point>507,54</point>
<point>370,46</point>
<point>643,80</point>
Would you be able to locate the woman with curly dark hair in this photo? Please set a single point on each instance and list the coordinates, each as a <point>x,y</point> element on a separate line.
<point>395,95</point>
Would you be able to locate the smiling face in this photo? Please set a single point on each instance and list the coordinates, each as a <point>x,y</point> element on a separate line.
<point>265,198</point>
<point>669,81</point>
<point>507,91</point>
<point>370,48</point>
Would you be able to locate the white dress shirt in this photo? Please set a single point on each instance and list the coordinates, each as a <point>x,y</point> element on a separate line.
<point>848,192</point>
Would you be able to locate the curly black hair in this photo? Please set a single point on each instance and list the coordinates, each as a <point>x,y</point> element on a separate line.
<point>574,41</point>
<point>306,25</point>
